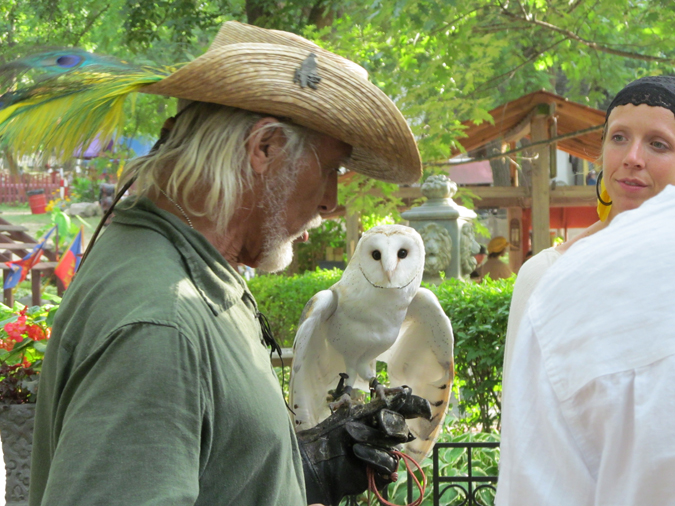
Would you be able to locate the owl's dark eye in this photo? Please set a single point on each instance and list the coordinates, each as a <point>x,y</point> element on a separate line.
<point>402,253</point>
<point>376,254</point>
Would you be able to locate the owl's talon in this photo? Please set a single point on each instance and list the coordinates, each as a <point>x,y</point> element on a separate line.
<point>342,396</point>
<point>344,400</point>
<point>381,392</point>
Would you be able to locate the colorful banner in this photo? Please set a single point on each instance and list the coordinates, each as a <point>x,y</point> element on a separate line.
<point>18,269</point>
<point>70,261</point>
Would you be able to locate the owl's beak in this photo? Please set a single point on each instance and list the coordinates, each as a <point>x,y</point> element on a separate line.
<point>389,271</point>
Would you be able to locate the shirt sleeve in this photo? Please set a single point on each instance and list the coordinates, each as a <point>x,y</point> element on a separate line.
<point>528,278</point>
<point>129,424</point>
<point>540,462</point>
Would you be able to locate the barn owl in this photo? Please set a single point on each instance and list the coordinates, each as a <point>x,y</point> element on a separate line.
<point>376,311</point>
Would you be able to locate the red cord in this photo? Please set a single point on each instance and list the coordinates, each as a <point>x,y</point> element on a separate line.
<point>422,487</point>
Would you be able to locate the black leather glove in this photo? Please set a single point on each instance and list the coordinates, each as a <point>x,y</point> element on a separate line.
<point>336,453</point>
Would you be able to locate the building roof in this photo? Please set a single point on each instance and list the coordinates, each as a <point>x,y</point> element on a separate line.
<point>571,117</point>
<point>471,173</point>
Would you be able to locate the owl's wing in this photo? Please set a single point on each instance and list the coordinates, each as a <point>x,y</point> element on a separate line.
<point>422,359</point>
<point>316,364</point>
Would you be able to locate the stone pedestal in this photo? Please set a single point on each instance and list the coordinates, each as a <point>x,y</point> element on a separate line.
<point>447,230</point>
<point>16,430</point>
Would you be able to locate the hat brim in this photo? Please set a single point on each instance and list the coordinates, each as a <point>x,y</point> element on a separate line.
<point>259,77</point>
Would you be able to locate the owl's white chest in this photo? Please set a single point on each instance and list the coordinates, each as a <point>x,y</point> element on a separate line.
<point>367,326</point>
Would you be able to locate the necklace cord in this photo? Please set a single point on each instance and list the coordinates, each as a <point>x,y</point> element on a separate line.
<point>180,208</point>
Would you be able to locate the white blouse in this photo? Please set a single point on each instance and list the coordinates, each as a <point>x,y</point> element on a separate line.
<point>589,416</point>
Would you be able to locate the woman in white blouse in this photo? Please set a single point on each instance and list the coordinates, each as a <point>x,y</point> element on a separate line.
<point>590,360</point>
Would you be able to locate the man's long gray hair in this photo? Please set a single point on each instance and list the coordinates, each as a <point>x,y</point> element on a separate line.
<point>206,154</point>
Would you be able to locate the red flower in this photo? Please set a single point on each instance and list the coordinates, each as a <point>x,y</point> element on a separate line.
<point>35,332</point>
<point>16,329</point>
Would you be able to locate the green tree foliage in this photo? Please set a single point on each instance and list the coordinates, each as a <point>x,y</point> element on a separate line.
<point>442,61</point>
<point>448,61</point>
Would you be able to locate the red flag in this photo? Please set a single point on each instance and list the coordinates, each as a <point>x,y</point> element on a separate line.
<point>70,261</point>
<point>19,268</point>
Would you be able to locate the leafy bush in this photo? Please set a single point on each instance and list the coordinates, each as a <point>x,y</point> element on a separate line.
<point>479,314</point>
<point>282,298</point>
<point>24,333</point>
<point>331,233</point>
<point>84,189</point>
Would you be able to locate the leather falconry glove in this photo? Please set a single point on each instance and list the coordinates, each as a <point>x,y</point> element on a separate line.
<point>336,452</point>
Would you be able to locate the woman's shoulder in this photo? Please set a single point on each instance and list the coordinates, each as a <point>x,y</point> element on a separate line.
<point>532,271</point>
<point>536,266</point>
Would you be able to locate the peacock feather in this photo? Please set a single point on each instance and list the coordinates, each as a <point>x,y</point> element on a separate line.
<point>71,98</point>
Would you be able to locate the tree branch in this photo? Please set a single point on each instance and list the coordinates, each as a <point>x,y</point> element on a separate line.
<point>591,44</point>
<point>89,24</point>
<point>544,142</point>
<point>576,4</point>
<point>515,69</point>
<point>456,20</point>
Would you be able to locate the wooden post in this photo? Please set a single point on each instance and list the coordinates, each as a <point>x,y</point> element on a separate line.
<point>553,147</point>
<point>516,254</point>
<point>8,293</point>
<point>36,287</point>
<point>353,228</point>
<point>541,182</point>
<point>514,167</point>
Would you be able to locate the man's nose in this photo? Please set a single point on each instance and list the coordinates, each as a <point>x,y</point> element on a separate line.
<point>329,200</point>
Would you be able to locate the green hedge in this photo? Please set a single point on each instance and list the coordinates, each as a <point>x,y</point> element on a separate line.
<point>478,312</point>
<point>281,298</point>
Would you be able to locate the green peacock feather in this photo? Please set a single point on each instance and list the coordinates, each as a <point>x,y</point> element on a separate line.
<point>75,98</point>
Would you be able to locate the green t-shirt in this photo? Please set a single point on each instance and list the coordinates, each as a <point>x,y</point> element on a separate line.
<point>156,389</point>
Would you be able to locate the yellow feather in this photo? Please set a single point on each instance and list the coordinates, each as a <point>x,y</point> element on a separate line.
<point>62,118</point>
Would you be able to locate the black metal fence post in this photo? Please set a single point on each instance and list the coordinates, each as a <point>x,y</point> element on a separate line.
<point>485,482</point>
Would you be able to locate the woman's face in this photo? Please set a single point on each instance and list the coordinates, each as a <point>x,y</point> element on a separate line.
<point>638,155</point>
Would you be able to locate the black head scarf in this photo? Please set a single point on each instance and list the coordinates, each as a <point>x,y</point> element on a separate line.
<point>656,91</point>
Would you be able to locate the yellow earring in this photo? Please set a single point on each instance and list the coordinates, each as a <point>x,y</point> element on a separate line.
<point>604,202</point>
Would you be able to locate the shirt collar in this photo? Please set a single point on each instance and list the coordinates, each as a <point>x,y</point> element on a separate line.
<point>217,281</point>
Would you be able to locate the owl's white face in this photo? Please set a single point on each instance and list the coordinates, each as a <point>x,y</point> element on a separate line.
<point>391,256</point>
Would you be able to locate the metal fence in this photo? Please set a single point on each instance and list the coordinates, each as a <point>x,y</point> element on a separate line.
<point>467,487</point>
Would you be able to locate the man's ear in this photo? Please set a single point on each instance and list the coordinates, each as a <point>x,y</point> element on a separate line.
<point>264,144</point>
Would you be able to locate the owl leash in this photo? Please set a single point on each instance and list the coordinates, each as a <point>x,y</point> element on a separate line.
<point>405,405</point>
<point>407,459</point>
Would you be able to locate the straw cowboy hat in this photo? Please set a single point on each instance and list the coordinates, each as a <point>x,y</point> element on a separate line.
<point>287,76</point>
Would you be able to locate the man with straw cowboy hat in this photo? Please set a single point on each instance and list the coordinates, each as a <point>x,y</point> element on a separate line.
<point>156,389</point>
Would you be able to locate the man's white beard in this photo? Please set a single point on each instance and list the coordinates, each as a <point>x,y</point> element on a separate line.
<point>277,251</point>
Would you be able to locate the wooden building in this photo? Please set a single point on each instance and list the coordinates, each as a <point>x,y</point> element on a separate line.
<point>540,116</point>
